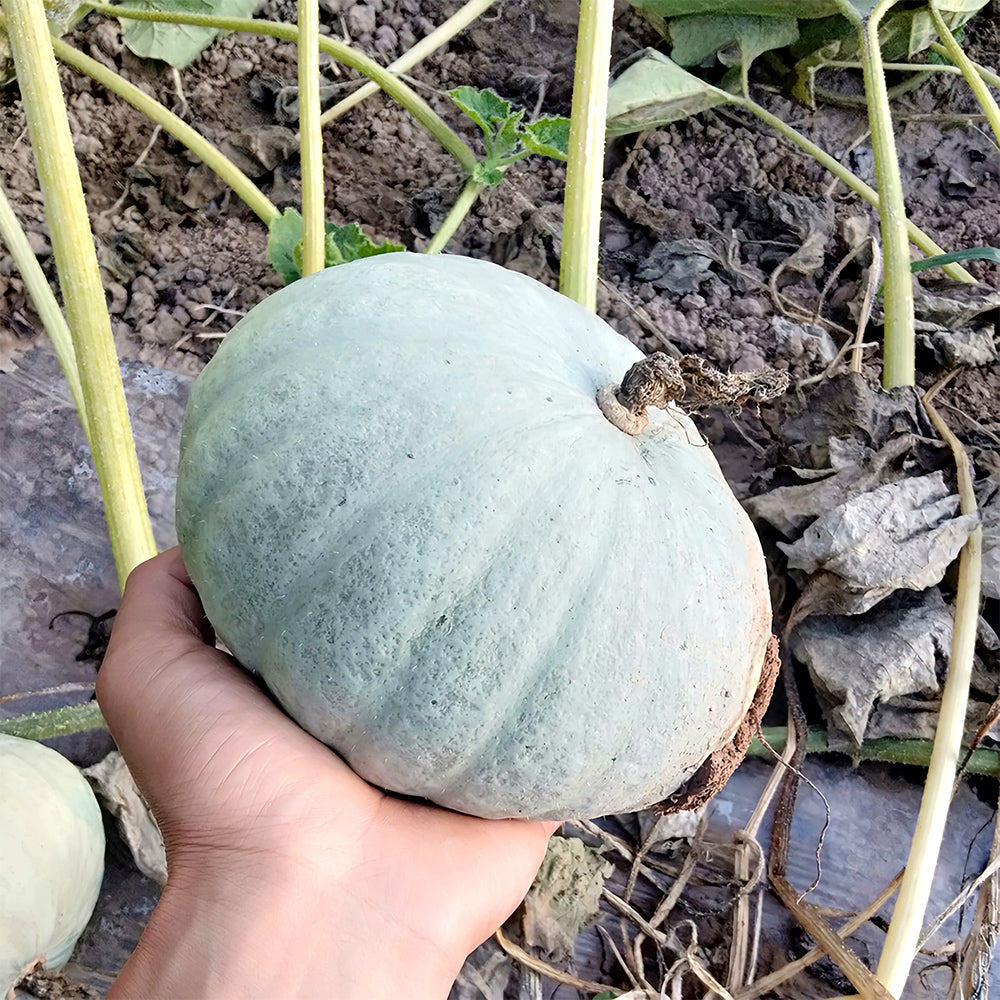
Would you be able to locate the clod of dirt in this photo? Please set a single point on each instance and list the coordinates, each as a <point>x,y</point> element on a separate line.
<point>679,266</point>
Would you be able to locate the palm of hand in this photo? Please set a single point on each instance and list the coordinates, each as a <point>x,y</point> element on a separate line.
<point>237,785</point>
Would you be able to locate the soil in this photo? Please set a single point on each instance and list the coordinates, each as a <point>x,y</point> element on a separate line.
<point>182,259</point>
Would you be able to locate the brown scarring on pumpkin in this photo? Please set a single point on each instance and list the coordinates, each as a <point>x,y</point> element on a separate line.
<point>713,774</point>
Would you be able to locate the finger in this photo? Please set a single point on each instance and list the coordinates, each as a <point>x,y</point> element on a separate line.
<point>160,598</point>
<point>160,654</point>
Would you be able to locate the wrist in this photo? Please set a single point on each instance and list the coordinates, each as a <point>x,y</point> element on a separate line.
<point>287,932</point>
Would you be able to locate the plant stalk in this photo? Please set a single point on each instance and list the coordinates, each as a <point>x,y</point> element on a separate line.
<point>427,45</point>
<point>585,165</point>
<point>899,347</point>
<point>80,280</point>
<point>56,722</point>
<point>45,304</point>
<point>310,139</point>
<point>917,236</point>
<point>455,217</point>
<point>973,78</point>
<point>916,753</point>
<point>989,77</point>
<point>400,92</point>
<point>908,914</point>
<point>211,156</point>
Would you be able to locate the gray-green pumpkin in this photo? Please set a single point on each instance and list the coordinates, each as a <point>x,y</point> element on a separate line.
<point>403,508</point>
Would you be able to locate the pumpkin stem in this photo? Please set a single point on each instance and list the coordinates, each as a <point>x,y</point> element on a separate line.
<point>654,381</point>
<point>660,380</point>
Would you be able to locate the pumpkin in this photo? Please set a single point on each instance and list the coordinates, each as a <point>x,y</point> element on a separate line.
<point>52,851</point>
<point>404,509</point>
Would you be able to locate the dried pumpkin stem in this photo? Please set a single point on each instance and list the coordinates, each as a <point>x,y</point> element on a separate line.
<point>660,380</point>
<point>654,381</point>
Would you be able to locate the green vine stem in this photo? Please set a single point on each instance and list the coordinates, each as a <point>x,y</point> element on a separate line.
<point>990,78</point>
<point>427,45</point>
<point>56,722</point>
<point>851,180</point>
<point>922,69</point>
<point>585,166</point>
<point>968,69</point>
<point>80,280</point>
<point>455,217</point>
<point>916,753</point>
<point>899,345</point>
<point>310,139</point>
<point>399,91</point>
<point>908,914</point>
<point>210,155</point>
<point>44,301</point>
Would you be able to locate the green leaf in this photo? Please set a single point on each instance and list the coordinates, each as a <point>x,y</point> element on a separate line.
<point>341,244</point>
<point>487,174</point>
<point>654,91</point>
<point>967,7</point>
<point>763,8</point>
<point>507,137</point>
<point>177,44</point>
<point>64,14</point>
<point>956,257</point>
<point>283,235</point>
<point>736,40</point>
<point>346,243</point>
<point>483,106</point>
<point>548,137</point>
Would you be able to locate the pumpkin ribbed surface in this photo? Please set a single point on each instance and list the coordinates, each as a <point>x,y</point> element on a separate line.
<point>403,508</point>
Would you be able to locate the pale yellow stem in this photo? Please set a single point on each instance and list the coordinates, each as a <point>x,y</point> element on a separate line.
<point>310,139</point>
<point>908,914</point>
<point>585,165</point>
<point>79,278</point>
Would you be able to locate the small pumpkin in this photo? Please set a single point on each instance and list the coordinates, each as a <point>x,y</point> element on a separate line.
<point>51,857</point>
<point>403,507</point>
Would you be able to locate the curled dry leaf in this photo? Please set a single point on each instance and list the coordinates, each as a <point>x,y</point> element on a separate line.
<point>113,783</point>
<point>856,662</point>
<point>900,535</point>
<point>990,512</point>
<point>565,896</point>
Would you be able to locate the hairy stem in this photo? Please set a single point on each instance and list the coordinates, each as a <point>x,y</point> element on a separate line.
<point>988,76</point>
<point>969,70</point>
<point>400,92</point>
<point>212,157</point>
<point>45,304</point>
<point>916,235</point>
<point>890,751</point>
<point>585,165</point>
<point>455,217</point>
<point>427,45</point>
<point>310,139</point>
<point>56,722</point>
<point>908,914</point>
<point>80,280</point>
<point>899,349</point>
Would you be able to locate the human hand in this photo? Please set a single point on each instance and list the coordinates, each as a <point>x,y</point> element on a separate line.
<point>288,876</point>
